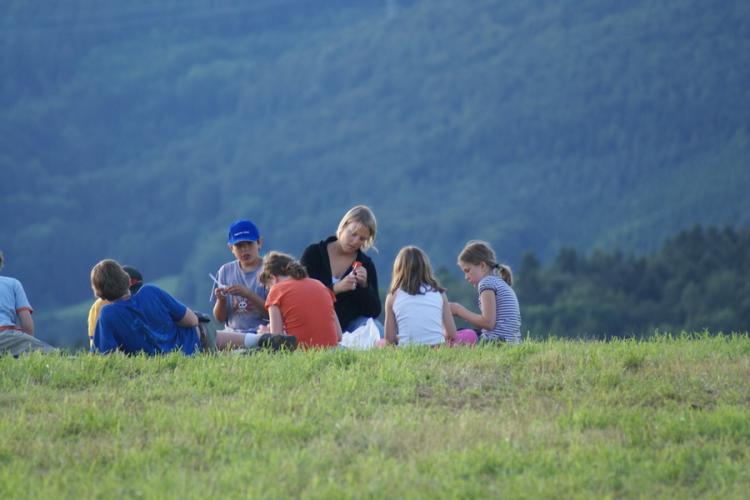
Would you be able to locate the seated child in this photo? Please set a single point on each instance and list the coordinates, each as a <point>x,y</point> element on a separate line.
<point>298,305</point>
<point>500,315</point>
<point>239,303</point>
<point>136,281</point>
<point>151,321</point>
<point>416,307</point>
<point>16,323</point>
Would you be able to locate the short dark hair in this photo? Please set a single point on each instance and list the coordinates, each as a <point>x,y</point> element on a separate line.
<point>136,278</point>
<point>109,280</point>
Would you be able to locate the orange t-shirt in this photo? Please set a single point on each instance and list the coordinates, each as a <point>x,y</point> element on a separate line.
<point>307,310</point>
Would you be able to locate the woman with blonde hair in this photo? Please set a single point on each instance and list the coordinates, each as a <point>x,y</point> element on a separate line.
<point>340,263</point>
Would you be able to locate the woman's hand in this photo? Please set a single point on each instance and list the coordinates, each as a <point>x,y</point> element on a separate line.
<point>347,284</point>
<point>360,274</point>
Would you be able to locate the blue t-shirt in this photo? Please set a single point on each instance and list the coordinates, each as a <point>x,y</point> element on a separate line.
<point>12,300</point>
<point>147,322</point>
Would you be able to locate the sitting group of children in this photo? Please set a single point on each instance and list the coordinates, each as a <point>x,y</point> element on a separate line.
<point>276,301</point>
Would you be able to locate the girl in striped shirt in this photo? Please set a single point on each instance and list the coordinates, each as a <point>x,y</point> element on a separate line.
<point>500,315</point>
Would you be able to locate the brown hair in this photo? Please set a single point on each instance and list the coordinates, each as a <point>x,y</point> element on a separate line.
<point>477,251</point>
<point>109,280</point>
<point>280,264</point>
<point>1,259</point>
<point>411,271</point>
<point>360,214</point>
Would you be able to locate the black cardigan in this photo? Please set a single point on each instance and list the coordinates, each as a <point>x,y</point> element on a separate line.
<point>362,301</point>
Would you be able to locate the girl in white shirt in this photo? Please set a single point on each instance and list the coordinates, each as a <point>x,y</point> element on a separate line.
<point>417,310</point>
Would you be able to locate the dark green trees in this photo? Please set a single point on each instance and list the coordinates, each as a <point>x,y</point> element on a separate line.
<point>698,280</point>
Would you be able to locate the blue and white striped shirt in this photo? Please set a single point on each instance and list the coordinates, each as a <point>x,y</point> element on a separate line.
<point>507,312</point>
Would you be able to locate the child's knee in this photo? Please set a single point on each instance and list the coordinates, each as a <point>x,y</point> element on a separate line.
<point>465,336</point>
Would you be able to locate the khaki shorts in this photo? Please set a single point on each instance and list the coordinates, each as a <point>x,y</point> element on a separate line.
<point>17,342</point>
<point>207,334</point>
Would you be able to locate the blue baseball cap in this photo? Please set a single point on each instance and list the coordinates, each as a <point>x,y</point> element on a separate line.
<point>242,230</point>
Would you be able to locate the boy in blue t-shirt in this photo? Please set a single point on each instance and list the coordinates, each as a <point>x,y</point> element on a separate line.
<point>151,321</point>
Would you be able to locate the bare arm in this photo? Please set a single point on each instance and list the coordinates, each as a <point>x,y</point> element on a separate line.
<point>487,319</point>
<point>189,319</point>
<point>277,321</point>
<point>449,325</point>
<point>391,328</point>
<point>220,306</point>
<point>338,325</point>
<point>27,322</point>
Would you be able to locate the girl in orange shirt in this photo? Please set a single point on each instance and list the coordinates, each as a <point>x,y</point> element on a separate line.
<point>299,305</point>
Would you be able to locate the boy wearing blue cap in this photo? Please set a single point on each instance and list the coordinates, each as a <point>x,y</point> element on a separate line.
<point>239,299</point>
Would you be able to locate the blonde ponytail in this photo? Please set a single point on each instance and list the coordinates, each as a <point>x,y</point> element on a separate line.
<point>505,273</point>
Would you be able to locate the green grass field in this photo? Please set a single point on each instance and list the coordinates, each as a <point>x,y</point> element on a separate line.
<point>667,417</point>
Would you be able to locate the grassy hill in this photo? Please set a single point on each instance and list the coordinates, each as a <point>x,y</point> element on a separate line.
<point>668,417</point>
<point>139,131</point>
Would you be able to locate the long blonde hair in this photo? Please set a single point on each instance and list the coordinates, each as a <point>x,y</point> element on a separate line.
<point>280,264</point>
<point>360,214</point>
<point>411,271</point>
<point>477,251</point>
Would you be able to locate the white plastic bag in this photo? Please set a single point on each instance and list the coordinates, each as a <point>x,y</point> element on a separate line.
<point>363,337</point>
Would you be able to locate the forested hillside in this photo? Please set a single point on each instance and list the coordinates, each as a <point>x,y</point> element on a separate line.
<point>139,130</point>
<point>695,282</point>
